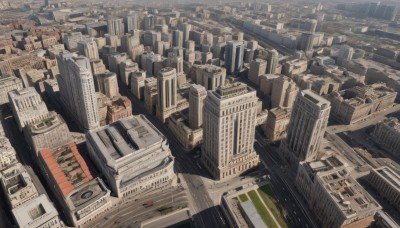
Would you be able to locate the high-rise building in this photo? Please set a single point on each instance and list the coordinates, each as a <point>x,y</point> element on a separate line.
<point>137,84</point>
<point>310,25</point>
<point>177,38</point>
<point>115,26</point>
<point>71,39</point>
<point>257,68</point>
<point>167,93</point>
<point>209,76</point>
<point>150,38</point>
<point>27,106</point>
<point>234,52</point>
<point>77,90</point>
<point>229,122</point>
<point>307,126</point>
<point>128,42</point>
<point>345,54</point>
<point>88,48</point>
<point>307,42</point>
<point>284,92</point>
<point>131,22</point>
<point>197,94</point>
<point>148,22</point>
<point>127,68</point>
<point>272,61</point>
<point>186,31</point>
<point>107,84</point>
<point>114,61</point>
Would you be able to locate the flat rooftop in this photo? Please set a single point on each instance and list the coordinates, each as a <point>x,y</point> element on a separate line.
<point>315,98</point>
<point>389,176</point>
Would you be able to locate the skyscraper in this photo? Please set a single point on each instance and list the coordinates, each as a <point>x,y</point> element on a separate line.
<point>77,89</point>
<point>115,26</point>
<point>257,68</point>
<point>272,61</point>
<point>345,54</point>
<point>307,126</point>
<point>167,93</point>
<point>307,42</point>
<point>284,92</point>
<point>234,52</point>
<point>186,31</point>
<point>229,121</point>
<point>197,94</point>
<point>88,48</point>
<point>131,22</point>
<point>177,38</point>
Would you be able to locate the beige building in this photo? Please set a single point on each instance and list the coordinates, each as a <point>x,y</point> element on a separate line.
<point>267,82</point>
<point>197,94</point>
<point>8,156</point>
<point>306,128</point>
<point>321,85</point>
<point>128,69</point>
<point>387,134</point>
<point>284,92</point>
<point>387,183</point>
<point>228,131</point>
<point>353,104</point>
<point>51,132</point>
<point>167,93</point>
<point>335,198</point>
<point>27,106</point>
<point>88,48</point>
<point>97,66</point>
<point>37,213</point>
<point>140,158</point>
<point>277,123</point>
<point>7,84</point>
<point>257,67</point>
<point>137,84</point>
<point>103,102</point>
<point>187,136</point>
<point>209,76</point>
<point>294,67</point>
<point>107,84</point>
<point>115,60</point>
<point>150,94</point>
<point>17,185</point>
<point>120,108</point>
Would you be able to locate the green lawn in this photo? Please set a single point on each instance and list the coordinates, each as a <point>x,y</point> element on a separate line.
<point>267,196</point>
<point>266,217</point>
<point>243,198</point>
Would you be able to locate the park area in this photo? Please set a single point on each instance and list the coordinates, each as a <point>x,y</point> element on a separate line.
<point>266,205</point>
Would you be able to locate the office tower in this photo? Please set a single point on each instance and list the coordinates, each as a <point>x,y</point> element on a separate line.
<point>272,61</point>
<point>128,42</point>
<point>131,23</point>
<point>190,45</point>
<point>234,52</point>
<point>112,40</point>
<point>307,126</point>
<point>167,93</point>
<point>177,38</point>
<point>310,25</point>
<point>107,84</point>
<point>127,68</point>
<point>153,63</point>
<point>150,38</point>
<point>197,94</point>
<point>137,84</point>
<point>176,62</point>
<point>71,40</point>
<point>77,91</point>
<point>345,54</point>
<point>307,42</point>
<point>148,22</point>
<point>206,57</point>
<point>257,68</point>
<point>284,92</point>
<point>229,122</point>
<point>27,106</point>
<point>88,48</point>
<point>186,31</point>
<point>209,76</point>
<point>115,26</point>
<point>97,66</point>
<point>114,61</point>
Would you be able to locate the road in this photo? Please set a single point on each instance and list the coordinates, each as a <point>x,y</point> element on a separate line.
<point>205,213</point>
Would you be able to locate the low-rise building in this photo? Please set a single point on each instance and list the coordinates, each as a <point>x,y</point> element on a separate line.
<point>51,132</point>
<point>7,84</point>
<point>37,213</point>
<point>351,105</point>
<point>133,156</point>
<point>27,106</point>
<point>17,185</point>
<point>188,137</point>
<point>387,134</point>
<point>120,108</point>
<point>387,183</point>
<point>82,197</point>
<point>333,195</point>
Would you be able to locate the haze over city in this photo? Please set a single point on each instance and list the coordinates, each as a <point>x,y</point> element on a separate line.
<point>202,114</point>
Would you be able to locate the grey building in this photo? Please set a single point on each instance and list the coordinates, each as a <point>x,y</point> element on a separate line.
<point>234,52</point>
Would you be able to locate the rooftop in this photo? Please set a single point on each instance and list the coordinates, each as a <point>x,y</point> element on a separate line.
<point>314,98</point>
<point>232,89</point>
<point>389,176</point>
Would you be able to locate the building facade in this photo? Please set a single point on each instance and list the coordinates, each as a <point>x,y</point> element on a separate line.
<point>387,183</point>
<point>197,94</point>
<point>387,134</point>
<point>167,93</point>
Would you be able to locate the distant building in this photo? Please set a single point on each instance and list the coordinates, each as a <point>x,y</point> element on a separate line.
<point>345,54</point>
<point>115,26</point>
<point>306,128</point>
<point>51,132</point>
<point>27,106</point>
<point>272,61</point>
<point>17,185</point>
<point>139,159</point>
<point>71,40</point>
<point>209,76</point>
<point>81,196</point>
<point>37,213</point>
<point>234,53</point>
<point>88,48</point>
<point>257,67</point>
<point>387,183</point>
<point>228,131</point>
<point>387,134</point>
<point>335,198</point>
